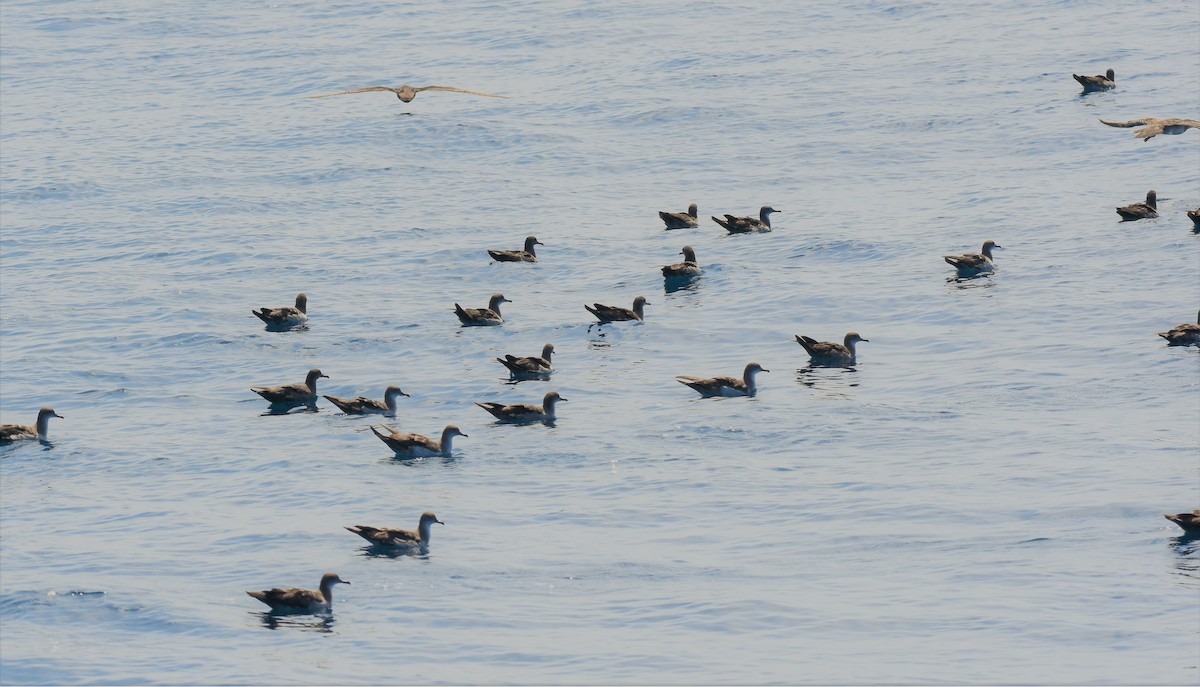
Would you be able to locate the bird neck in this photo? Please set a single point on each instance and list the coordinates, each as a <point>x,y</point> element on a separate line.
<point>447,442</point>
<point>43,424</point>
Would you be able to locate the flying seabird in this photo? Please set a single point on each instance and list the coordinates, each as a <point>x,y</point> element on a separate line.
<point>382,536</point>
<point>744,225</point>
<point>1180,335</point>
<point>293,394</point>
<point>527,255</point>
<point>1154,127</point>
<point>724,386</point>
<point>366,406</point>
<point>681,220</point>
<point>688,268</point>
<point>829,354</point>
<point>407,93</point>
<point>524,412</point>
<point>417,445</point>
<point>482,317</point>
<point>971,264</point>
<point>9,433</point>
<point>1137,211</point>
<point>611,313</point>
<point>285,317</point>
<point>301,600</point>
<point>530,365</point>
<point>1090,84</point>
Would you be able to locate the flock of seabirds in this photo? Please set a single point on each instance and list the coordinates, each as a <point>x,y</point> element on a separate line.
<point>406,445</point>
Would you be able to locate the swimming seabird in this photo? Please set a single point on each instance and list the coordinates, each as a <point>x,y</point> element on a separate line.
<point>971,264</point>
<point>301,600</point>
<point>829,354</point>
<point>611,313</point>
<point>524,412</point>
<point>530,365</point>
<point>482,317</point>
<point>417,445</point>
<point>1090,84</point>
<point>681,220</point>
<point>688,268</point>
<point>743,225</point>
<point>1180,335</point>
<point>1190,522</point>
<point>527,255</point>
<point>285,317</point>
<point>383,536</point>
<point>293,394</point>
<point>724,386</point>
<point>1194,215</point>
<point>35,431</point>
<point>1137,211</point>
<point>1154,127</point>
<point>407,93</point>
<point>366,406</point>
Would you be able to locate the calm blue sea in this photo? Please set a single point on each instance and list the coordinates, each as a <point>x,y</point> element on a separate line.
<point>979,500</point>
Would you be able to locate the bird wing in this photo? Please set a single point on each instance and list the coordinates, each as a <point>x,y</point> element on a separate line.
<point>447,88</point>
<point>368,89</point>
<point>1131,123</point>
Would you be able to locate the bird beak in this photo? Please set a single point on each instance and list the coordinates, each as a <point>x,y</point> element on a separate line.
<point>440,522</point>
<point>765,370</point>
<point>463,435</point>
<point>57,415</point>
<point>343,581</point>
<point>561,398</point>
<point>404,394</point>
<point>867,340</point>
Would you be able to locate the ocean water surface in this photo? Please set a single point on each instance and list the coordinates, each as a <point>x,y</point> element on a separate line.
<point>979,500</point>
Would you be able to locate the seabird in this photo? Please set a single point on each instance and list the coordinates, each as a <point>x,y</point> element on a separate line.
<point>382,536</point>
<point>1154,127</point>
<point>1190,522</point>
<point>829,354</point>
<point>530,365</point>
<point>301,600</point>
<point>417,445</point>
<point>681,220</point>
<point>610,313</point>
<point>724,386</point>
<point>527,255</point>
<point>1090,84</point>
<point>524,412</point>
<point>37,430</point>
<point>366,406</point>
<point>1180,335</point>
<point>1194,215</point>
<point>407,93</point>
<point>482,317</point>
<point>293,394</point>
<point>1147,210</point>
<point>971,264</point>
<point>688,268</point>
<point>743,225</point>
<point>285,317</point>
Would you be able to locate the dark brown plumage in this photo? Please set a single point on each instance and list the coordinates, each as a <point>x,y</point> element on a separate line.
<point>1154,127</point>
<point>611,313</point>
<point>688,268</point>
<point>1190,522</point>
<point>417,445</point>
<point>745,225</point>
<point>524,412</point>
<point>1137,211</point>
<point>829,354</point>
<point>293,394</point>
<point>366,406</point>
<point>1105,82</point>
<point>681,220</point>
<point>10,433</point>
<point>295,600</point>
<point>530,365</point>
<point>724,386</point>
<point>527,255</point>
<point>407,93</point>
<point>482,317</point>
<point>970,264</point>
<point>383,536</point>
<point>285,317</point>
<point>1186,334</point>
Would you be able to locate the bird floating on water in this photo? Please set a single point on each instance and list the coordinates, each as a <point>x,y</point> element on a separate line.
<point>709,387</point>
<point>529,365</point>
<point>1190,522</point>
<point>611,313</point>
<point>1186,334</point>
<point>745,225</point>
<point>681,220</point>
<point>527,255</point>
<point>411,539</point>
<point>417,445</point>
<point>688,268</point>
<point>830,354</point>
<point>1194,215</point>
<point>1091,84</point>
<point>9,433</point>
<point>293,394</point>
<point>482,317</point>
<point>367,406</point>
<point>285,317</point>
<point>1147,210</point>
<point>301,600</point>
<point>518,413</point>
<point>971,264</point>
<point>407,93</point>
<point>1154,127</point>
